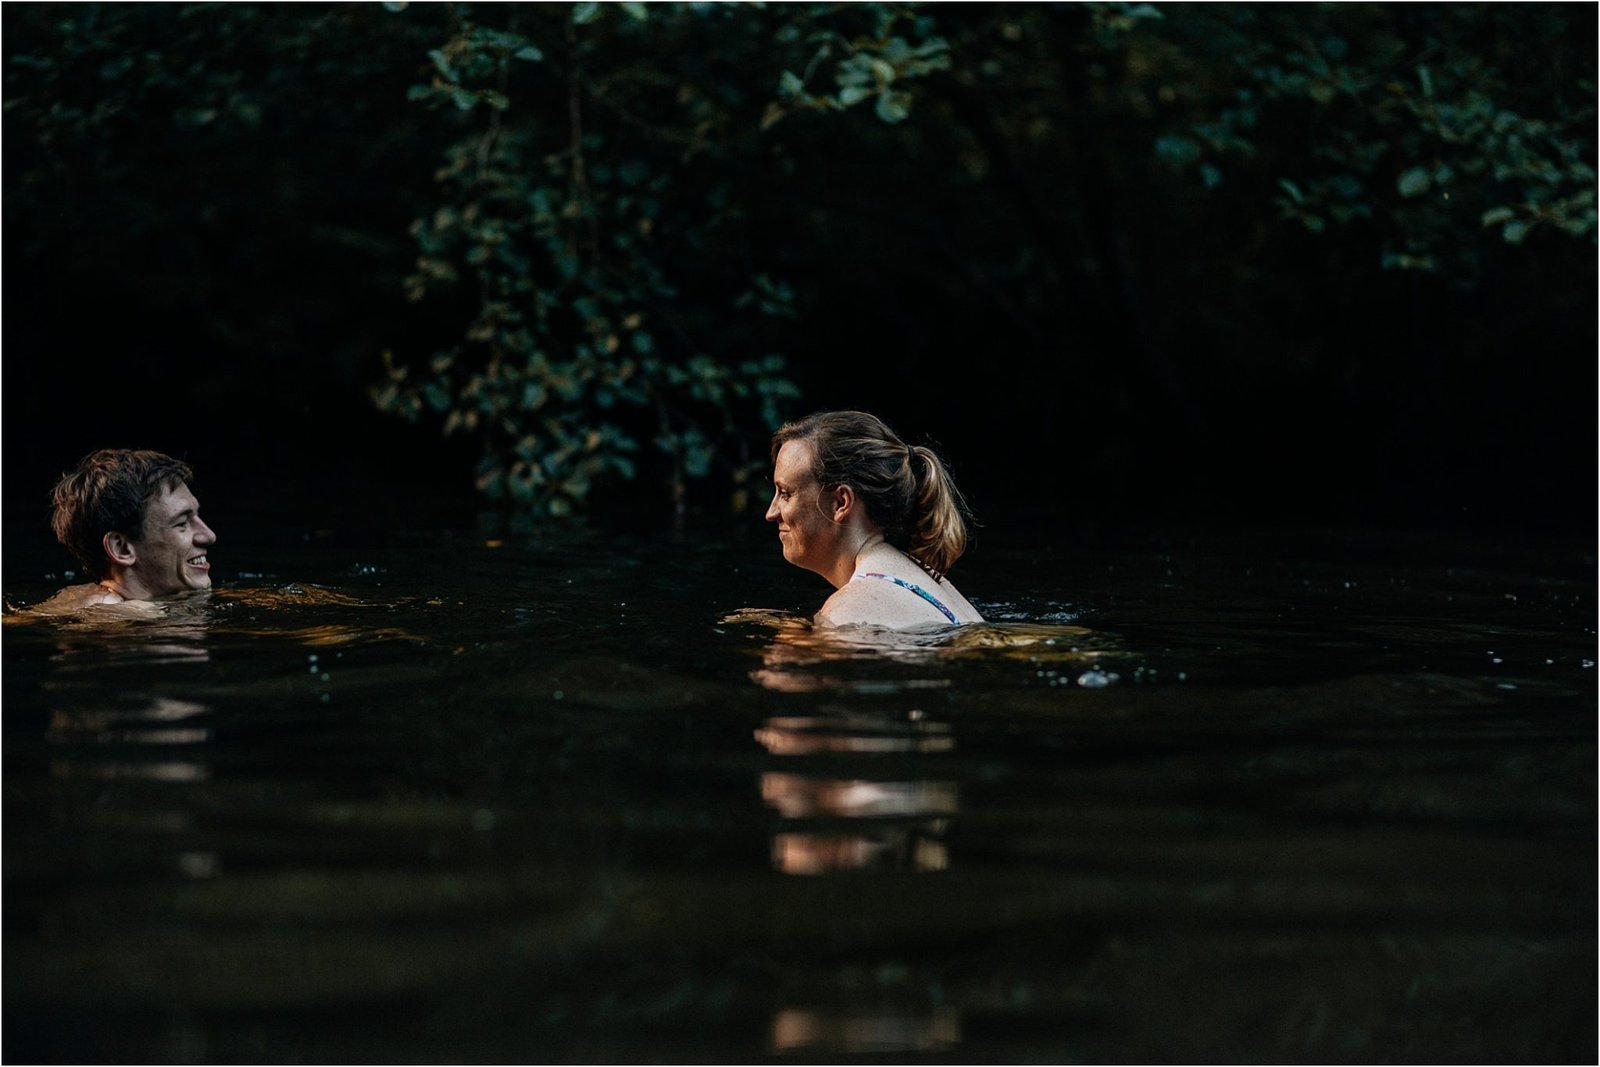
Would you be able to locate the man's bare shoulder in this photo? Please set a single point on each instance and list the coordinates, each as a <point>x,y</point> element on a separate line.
<point>74,599</point>
<point>79,598</point>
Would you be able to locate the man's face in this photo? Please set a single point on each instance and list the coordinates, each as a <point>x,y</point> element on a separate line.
<point>809,536</point>
<point>171,556</point>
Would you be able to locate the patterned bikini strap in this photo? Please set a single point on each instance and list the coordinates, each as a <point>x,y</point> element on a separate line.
<point>917,589</point>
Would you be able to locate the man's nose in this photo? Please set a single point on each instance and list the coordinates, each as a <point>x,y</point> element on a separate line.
<point>203,534</point>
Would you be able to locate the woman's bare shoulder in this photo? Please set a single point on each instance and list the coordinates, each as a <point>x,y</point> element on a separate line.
<point>877,603</point>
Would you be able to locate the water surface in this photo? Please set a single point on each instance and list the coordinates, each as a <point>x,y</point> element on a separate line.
<point>452,797</point>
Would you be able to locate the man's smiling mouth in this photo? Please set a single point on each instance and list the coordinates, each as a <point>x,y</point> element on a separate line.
<point>199,561</point>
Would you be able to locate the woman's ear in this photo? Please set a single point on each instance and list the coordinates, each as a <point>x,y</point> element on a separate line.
<point>844,501</point>
<point>119,549</point>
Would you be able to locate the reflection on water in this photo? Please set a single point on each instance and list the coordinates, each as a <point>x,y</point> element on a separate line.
<point>893,823</point>
<point>798,1029</point>
<point>796,796</point>
<point>98,724</point>
<point>890,824</point>
<point>802,658</point>
<point>152,771</point>
<point>136,724</point>
<point>907,848</point>
<point>177,629</point>
<point>550,801</point>
<point>800,735</point>
<point>260,611</point>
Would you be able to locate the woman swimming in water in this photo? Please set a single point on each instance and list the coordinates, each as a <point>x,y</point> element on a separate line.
<point>879,519</point>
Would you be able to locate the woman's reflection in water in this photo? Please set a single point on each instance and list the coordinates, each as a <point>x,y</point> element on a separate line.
<point>863,821</point>
<point>866,820</point>
<point>797,1029</point>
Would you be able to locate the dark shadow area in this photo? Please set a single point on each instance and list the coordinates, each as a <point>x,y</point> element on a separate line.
<point>1228,264</point>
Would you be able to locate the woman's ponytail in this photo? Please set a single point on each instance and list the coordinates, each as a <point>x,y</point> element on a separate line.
<point>939,527</point>
<point>906,490</point>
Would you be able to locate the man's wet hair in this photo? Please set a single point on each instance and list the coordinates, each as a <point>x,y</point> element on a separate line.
<point>110,490</point>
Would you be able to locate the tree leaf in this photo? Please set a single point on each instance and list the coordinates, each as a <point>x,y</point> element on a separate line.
<point>1414,182</point>
<point>893,107</point>
<point>851,95</point>
<point>1515,230</point>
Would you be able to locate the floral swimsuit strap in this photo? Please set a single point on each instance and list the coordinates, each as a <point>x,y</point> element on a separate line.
<point>917,589</point>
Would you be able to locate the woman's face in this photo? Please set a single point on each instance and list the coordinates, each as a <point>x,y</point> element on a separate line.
<point>809,536</point>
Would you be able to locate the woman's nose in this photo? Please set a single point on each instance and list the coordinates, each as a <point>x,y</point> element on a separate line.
<point>772,510</point>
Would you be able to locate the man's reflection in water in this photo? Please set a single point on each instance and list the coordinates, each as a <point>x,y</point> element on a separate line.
<point>158,722</point>
<point>146,724</point>
<point>797,1029</point>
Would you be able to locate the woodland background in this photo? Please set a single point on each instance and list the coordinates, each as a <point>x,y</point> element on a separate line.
<point>1329,263</point>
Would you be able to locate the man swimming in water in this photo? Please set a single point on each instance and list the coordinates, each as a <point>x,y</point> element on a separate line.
<point>130,518</point>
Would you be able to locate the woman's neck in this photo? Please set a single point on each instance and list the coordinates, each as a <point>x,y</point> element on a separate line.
<point>855,547</point>
<point>874,552</point>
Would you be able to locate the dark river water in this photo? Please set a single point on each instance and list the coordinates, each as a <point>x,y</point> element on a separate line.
<point>449,797</point>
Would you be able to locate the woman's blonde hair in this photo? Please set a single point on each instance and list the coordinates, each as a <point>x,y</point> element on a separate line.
<point>906,489</point>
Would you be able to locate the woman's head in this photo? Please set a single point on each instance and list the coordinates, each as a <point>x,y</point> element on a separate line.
<point>906,490</point>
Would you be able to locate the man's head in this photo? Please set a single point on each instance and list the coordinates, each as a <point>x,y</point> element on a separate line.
<point>129,517</point>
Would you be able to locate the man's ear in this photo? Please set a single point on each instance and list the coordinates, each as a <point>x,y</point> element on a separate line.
<point>844,501</point>
<point>119,549</point>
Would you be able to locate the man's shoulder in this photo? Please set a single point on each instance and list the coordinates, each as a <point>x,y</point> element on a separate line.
<point>76,598</point>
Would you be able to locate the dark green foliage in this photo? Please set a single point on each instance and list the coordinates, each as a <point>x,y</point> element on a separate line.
<point>1190,236</point>
<point>1428,121</point>
<point>565,215</point>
